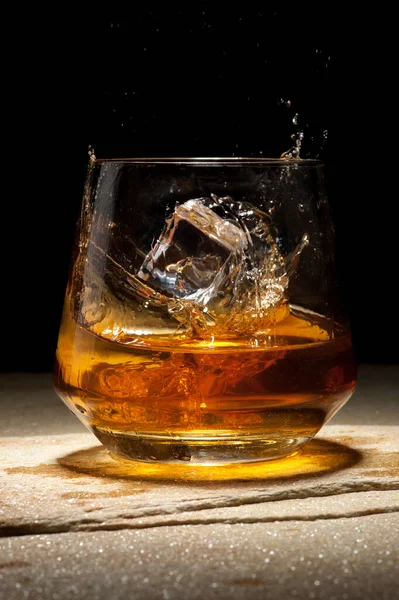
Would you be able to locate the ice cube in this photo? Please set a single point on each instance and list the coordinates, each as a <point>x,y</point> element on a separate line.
<point>220,260</point>
<point>197,253</point>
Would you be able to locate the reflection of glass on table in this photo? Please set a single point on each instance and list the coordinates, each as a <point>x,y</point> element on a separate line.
<point>202,321</point>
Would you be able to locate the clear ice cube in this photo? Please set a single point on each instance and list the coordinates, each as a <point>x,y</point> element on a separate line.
<point>221,258</point>
<point>196,254</point>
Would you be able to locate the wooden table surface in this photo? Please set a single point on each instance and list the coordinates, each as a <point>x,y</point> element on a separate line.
<point>76,523</point>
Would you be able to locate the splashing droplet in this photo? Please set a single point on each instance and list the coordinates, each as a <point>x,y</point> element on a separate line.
<point>298,137</point>
<point>92,156</point>
<point>292,259</point>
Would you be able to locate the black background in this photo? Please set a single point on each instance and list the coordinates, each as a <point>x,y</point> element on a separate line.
<point>203,80</point>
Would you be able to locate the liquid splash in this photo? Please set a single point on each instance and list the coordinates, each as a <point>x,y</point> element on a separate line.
<point>297,137</point>
<point>92,156</point>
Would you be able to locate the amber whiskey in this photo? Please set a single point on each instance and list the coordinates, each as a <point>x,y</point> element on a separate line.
<point>226,401</point>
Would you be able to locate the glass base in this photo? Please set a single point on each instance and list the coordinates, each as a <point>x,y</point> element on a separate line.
<point>196,450</point>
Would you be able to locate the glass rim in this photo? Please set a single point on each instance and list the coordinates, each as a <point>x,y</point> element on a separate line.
<point>216,161</point>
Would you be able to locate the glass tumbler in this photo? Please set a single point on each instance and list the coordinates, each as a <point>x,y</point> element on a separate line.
<point>202,320</point>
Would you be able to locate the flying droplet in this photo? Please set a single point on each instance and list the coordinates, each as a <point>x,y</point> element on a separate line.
<point>92,156</point>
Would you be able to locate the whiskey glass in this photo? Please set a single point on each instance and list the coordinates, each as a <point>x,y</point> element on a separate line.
<point>202,321</point>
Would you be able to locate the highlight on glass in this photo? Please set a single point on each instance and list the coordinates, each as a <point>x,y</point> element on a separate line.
<point>202,320</point>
